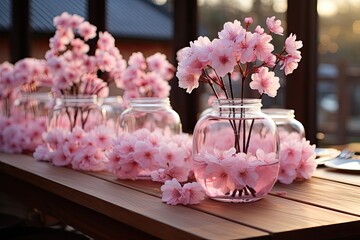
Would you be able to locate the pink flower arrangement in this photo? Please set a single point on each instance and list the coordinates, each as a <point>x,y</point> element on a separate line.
<point>75,71</point>
<point>174,193</point>
<point>146,77</point>
<point>229,164</point>
<point>238,50</point>
<point>23,124</point>
<point>297,158</point>
<point>86,151</point>
<point>152,155</point>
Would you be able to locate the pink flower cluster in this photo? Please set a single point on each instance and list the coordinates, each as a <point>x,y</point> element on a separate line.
<point>227,171</point>
<point>238,50</point>
<point>21,134</point>
<point>174,193</point>
<point>25,76</point>
<point>81,150</point>
<point>75,71</point>
<point>147,77</point>
<point>297,158</point>
<point>145,154</point>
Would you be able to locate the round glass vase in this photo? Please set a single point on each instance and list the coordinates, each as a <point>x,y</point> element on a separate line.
<point>72,111</point>
<point>154,114</point>
<point>111,108</point>
<point>286,123</point>
<point>29,114</point>
<point>235,151</point>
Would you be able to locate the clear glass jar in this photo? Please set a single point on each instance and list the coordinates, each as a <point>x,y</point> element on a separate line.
<point>154,114</point>
<point>286,122</point>
<point>72,111</point>
<point>111,108</point>
<point>29,116</point>
<point>235,151</point>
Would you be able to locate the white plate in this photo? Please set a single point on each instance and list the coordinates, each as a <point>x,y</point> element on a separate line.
<point>352,164</point>
<point>325,154</point>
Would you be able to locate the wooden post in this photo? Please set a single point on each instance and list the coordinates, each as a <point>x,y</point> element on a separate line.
<point>301,85</point>
<point>97,17</point>
<point>184,31</point>
<point>20,38</point>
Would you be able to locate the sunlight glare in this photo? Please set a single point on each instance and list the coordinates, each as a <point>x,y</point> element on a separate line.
<point>327,8</point>
<point>280,6</point>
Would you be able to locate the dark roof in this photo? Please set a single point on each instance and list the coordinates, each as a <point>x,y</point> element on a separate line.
<point>138,19</point>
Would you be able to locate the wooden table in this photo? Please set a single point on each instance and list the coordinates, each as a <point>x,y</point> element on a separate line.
<point>324,207</point>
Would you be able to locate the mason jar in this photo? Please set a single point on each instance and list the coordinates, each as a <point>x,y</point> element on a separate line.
<point>154,114</point>
<point>235,149</point>
<point>286,123</point>
<point>72,111</point>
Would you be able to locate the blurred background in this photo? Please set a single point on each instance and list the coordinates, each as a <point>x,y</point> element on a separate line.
<point>150,26</point>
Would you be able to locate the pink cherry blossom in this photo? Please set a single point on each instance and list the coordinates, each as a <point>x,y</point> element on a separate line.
<point>274,26</point>
<point>188,80</point>
<point>292,46</point>
<point>106,41</point>
<point>87,31</point>
<point>232,31</point>
<point>171,192</point>
<point>192,193</point>
<point>222,58</point>
<point>265,82</point>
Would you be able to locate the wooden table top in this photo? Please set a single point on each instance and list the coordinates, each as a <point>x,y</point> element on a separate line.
<point>325,207</point>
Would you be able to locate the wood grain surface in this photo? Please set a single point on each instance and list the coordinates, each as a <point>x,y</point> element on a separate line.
<point>326,206</point>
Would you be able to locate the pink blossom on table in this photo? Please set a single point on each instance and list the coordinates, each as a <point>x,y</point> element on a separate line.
<point>103,136</point>
<point>89,160</point>
<point>274,25</point>
<point>59,159</point>
<point>192,193</point>
<point>173,193</point>
<point>144,151</point>
<point>42,153</point>
<point>307,164</point>
<point>297,160</point>
<point>265,82</point>
<point>88,151</point>
<point>144,154</point>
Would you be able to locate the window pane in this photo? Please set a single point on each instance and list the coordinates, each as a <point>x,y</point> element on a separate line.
<point>338,71</point>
